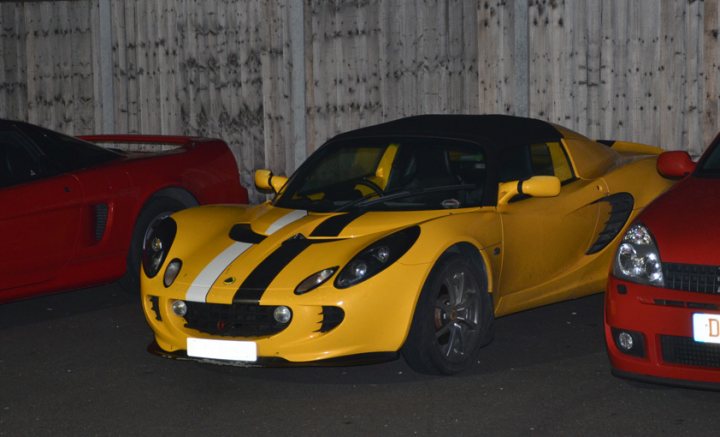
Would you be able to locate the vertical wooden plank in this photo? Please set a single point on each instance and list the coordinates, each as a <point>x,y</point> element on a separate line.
<point>561,62</point>
<point>368,80</point>
<point>693,37</point>
<point>147,66</point>
<point>59,66</point>
<point>606,72</point>
<point>132,40</point>
<point>541,74</point>
<point>165,77</point>
<point>82,112</point>
<point>386,49</point>
<point>13,88</point>
<point>593,16</point>
<point>647,54</point>
<point>464,71</point>
<point>631,69</point>
<point>672,77</point>
<point>254,147</point>
<point>321,31</point>
<point>46,25</point>
<point>96,68</point>
<point>429,56</point>
<point>711,69</point>
<point>7,24</point>
<point>617,125</point>
<point>495,49</point>
<point>120,65</point>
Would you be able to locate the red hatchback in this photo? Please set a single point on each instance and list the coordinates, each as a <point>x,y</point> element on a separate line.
<point>74,214</point>
<point>662,306</point>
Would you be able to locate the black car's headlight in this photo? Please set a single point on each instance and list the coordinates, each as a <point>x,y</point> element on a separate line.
<point>377,257</point>
<point>157,245</point>
<point>637,259</point>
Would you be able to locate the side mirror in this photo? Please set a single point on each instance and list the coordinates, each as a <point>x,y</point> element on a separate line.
<point>536,186</point>
<point>266,181</point>
<point>675,164</point>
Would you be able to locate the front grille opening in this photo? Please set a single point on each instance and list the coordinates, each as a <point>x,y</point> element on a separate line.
<point>688,352</point>
<point>235,320</point>
<point>692,277</point>
<point>331,318</point>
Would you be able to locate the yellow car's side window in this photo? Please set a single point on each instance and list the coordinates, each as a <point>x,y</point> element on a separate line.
<point>549,159</point>
<point>561,164</point>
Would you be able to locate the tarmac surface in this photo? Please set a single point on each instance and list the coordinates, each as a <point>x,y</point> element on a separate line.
<point>76,364</point>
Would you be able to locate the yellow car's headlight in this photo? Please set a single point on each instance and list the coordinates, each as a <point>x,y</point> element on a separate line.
<point>157,245</point>
<point>377,257</point>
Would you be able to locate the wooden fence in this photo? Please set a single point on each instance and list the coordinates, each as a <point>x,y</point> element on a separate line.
<point>276,78</point>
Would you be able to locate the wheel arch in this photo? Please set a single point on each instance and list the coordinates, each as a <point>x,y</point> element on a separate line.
<point>419,353</point>
<point>476,256</point>
<point>182,195</point>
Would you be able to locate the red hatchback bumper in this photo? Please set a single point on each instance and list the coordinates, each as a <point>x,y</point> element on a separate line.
<point>650,336</point>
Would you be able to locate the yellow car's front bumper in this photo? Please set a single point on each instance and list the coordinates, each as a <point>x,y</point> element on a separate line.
<point>374,318</point>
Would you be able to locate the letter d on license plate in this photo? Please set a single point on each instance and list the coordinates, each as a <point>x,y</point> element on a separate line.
<point>706,327</point>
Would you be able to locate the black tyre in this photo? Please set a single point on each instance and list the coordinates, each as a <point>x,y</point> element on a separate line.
<point>453,318</point>
<point>157,209</point>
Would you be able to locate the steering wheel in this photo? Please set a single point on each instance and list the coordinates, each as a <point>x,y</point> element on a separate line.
<point>372,185</point>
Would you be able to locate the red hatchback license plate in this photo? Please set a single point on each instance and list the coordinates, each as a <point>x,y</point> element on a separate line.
<point>706,327</point>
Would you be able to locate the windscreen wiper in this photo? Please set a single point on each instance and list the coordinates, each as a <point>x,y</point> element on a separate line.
<point>365,202</point>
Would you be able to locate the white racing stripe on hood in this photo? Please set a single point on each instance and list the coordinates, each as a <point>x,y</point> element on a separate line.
<point>200,287</point>
<point>285,220</point>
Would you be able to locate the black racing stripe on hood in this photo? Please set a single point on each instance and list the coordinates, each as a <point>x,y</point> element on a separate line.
<point>335,224</point>
<point>257,282</point>
<point>244,234</point>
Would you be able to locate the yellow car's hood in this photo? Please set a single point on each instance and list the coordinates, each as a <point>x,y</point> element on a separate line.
<point>232,253</point>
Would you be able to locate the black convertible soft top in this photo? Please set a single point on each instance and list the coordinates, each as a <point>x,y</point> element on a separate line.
<point>492,130</point>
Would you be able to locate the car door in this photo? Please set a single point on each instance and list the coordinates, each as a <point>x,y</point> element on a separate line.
<point>39,213</point>
<point>546,238</point>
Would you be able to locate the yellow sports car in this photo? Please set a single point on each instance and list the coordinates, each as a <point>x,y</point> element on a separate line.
<point>405,237</point>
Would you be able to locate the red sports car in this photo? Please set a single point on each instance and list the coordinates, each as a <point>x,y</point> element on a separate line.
<point>74,214</point>
<point>662,306</point>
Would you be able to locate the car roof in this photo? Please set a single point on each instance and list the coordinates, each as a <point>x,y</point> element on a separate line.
<point>491,130</point>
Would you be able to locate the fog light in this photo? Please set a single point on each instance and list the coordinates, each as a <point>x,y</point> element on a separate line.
<point>179,307</point>
<point>629,342</point>
<point>282,314</point>
<point>625,341</point>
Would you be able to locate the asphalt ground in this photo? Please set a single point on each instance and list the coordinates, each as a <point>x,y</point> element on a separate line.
<point>76,364</point>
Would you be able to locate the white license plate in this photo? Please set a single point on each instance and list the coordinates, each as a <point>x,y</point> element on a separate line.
<point>222,349</point>
<point>706,327</point>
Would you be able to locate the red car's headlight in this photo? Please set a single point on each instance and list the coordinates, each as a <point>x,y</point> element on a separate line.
<point>637,258</point>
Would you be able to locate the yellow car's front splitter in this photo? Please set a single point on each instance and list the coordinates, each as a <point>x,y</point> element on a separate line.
<point>367,321</point>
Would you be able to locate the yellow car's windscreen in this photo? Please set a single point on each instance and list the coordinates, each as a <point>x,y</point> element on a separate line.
<point>393,174</point>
